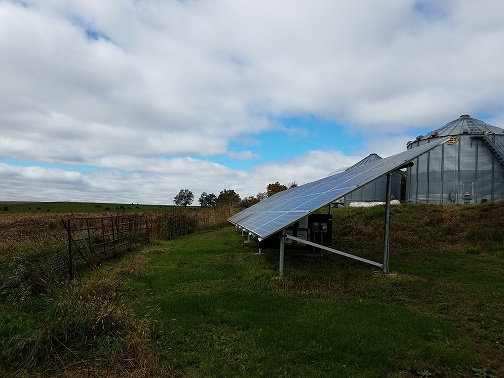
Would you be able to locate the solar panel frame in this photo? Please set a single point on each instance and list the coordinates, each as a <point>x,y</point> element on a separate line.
<point>287,207</point>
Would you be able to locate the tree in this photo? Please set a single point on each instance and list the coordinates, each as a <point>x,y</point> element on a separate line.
<point>249,201</point>
<point>293,184</point>
<point>228,197</point>
<point>207,200</point>
<point>262,195</point>
<point>275,188</point>
<point>183,198</point>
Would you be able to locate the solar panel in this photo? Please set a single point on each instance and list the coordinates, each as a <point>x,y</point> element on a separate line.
<point>287,207</point>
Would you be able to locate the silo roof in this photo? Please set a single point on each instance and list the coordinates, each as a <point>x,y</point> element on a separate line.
<point>465,124</point>
<point>366,160</point>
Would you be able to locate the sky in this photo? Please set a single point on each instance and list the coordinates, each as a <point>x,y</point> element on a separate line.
<point>130,101</point>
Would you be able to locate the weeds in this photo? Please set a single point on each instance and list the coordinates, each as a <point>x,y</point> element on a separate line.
<point>82,329</point>
<point>421,227</point>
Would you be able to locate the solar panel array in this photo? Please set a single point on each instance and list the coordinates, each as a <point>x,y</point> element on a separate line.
<point>285,208</point>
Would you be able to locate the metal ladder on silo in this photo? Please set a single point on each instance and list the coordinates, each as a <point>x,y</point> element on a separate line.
<point>473,128</point>
<point>495,145</point>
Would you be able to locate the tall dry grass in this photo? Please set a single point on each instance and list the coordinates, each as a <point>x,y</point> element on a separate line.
<point>35,234</point>
<point>421,227</point>
<point>83,329</point>
<point>30,234</point>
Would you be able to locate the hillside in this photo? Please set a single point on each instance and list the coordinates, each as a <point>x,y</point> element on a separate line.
<point>420,227</point>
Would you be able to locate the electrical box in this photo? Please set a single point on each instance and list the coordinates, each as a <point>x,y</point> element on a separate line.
<point>467,197</point>
<point>316,228</point>
<point>451,197</point>
<point>320,226</point>
<point>302,233</point>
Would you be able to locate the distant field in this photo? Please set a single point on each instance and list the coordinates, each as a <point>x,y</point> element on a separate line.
<point>78,207</point>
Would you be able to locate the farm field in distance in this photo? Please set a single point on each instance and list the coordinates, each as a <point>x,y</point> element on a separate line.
<point>78,207</point>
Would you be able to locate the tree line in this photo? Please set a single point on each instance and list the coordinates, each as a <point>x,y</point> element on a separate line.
<point>228,197</point>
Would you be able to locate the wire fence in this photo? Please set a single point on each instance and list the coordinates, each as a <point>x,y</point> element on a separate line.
<point>92,240</point>
<point>57,254</point>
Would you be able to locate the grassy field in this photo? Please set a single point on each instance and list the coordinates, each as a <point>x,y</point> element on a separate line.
<point>220,311</point>
<point>205,305</point>
<point>77,207</point>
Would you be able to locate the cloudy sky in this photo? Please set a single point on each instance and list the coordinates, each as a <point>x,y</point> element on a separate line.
<point>132,100</point>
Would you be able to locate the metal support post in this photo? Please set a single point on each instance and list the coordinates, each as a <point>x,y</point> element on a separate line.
<point>328,249</point>
<point>282,253</point>
<point>387,225</point>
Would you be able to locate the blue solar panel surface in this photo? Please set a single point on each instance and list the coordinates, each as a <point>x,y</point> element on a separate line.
<point>283,209</point>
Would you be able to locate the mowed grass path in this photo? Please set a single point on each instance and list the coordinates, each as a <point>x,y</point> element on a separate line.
<point>218,310</point>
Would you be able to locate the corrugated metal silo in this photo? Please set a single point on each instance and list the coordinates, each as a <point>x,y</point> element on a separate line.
<point>467,169</point>
<point>376,190</point>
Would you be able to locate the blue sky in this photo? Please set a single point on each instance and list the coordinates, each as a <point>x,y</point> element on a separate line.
<point>131,101</point>
<point>295,135</point>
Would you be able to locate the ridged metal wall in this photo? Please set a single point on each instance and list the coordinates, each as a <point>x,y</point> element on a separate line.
<point>376,190</point>
<point>468,169</point>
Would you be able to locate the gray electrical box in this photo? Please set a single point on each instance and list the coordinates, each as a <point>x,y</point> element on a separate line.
<point>320,228</point>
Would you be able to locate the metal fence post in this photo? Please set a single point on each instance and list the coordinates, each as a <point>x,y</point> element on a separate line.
<point>70,259</point>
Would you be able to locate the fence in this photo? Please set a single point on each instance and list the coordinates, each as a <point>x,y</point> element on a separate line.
<point>48,249</point>
<point>91,240</point>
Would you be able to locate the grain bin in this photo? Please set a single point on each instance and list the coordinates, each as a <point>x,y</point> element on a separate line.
<point>469,168</point>
<point>376,190</point>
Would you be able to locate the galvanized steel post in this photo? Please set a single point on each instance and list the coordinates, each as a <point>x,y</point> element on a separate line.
<point>387,225</point>
<point>282,252</point>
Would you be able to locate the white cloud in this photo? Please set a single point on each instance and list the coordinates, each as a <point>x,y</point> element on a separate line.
<point>243,155</point>
<point>135,88</point>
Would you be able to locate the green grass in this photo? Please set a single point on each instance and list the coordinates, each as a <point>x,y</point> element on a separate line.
<point>80,329</point>
<point>220,311</point>
<point>78,207</point>
<point>205,305</point>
